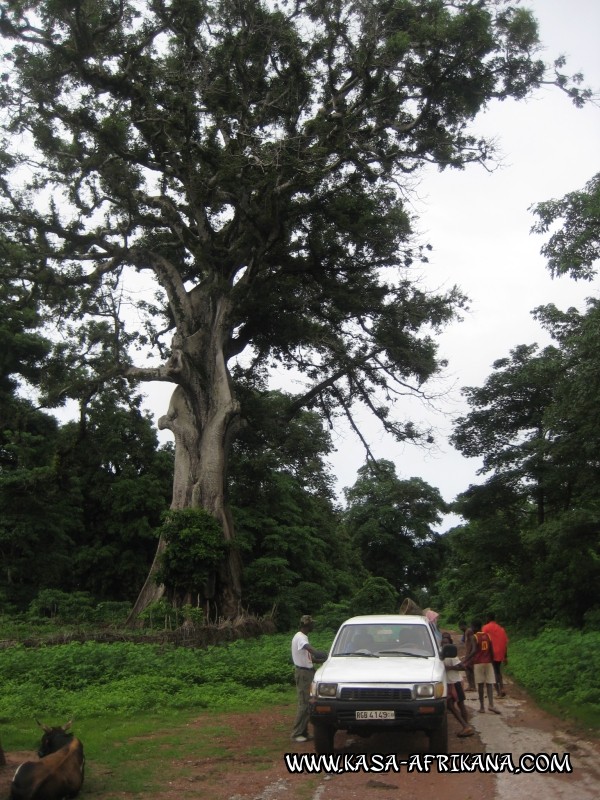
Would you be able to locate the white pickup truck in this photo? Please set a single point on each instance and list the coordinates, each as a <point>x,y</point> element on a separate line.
<point>383,672</point>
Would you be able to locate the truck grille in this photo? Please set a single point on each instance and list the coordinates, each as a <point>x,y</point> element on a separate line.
<point>374,693</point>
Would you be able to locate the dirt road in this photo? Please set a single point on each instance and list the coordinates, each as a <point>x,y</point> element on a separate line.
<point>521,729</point>
<point>241,757</point>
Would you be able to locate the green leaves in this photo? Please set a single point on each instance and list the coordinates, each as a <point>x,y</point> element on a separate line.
<point>574,248</point>
<point>507,417</point>
<point>194,548</point>
<point>391,523</point>
<point>557,667</point>
<point>375,596</point>
<point>91,680</point>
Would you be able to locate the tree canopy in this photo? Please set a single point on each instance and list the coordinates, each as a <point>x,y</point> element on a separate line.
<point>391,524</point>
<point>507,424</point>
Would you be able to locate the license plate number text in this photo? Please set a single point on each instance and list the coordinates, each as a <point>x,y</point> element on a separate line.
<point>375,715</point>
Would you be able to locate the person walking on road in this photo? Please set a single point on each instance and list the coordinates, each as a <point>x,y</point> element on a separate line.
<point>304,656</point>
<point>500,646</point>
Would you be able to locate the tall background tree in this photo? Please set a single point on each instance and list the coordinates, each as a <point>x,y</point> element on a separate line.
<point>31,503</point>
<point>507,424</point>
<point>296,555</point>
<point>247,163</point>
<point>391,524</point>
<point>531,543</point>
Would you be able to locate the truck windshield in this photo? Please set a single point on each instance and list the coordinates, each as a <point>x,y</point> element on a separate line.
<point>389,640</point>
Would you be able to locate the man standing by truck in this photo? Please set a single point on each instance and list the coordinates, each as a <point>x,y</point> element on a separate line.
<point>304,655</point>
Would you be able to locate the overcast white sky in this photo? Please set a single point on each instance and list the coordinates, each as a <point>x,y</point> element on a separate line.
<point>479,225</point>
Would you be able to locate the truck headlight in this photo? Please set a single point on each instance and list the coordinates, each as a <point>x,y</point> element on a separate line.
<point>326,689</point>
<point>425,690</point>
<point>435,690</point>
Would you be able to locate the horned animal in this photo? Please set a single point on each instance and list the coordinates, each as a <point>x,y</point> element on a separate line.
<point>59,772</point>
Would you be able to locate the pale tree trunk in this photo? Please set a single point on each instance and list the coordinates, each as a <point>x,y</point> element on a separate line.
<point>151,590</point>
<point>199,479</point>
<point>204,417</point>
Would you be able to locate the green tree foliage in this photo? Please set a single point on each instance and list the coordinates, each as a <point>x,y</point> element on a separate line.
<point>391,524</point>
<point>247,161</point>
<point>574,248</point>
<point>33,528</point>
<point>507,426</point>
<point>375,596</point>
<point>194,547</point>
<point>486,565</point>
<point>531,546</point>
<point>80,501</point>
<point>574,417</point>
<point>296,555</point>
<point>121,482</point>
<point>23,348</point>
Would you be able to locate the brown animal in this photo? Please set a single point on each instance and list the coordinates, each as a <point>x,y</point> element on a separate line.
<point>59,772</point>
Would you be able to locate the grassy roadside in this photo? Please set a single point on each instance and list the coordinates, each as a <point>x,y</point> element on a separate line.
<point>144,712</point>
<point>559,669</point>
<point>150,755</point>
<point>111,684</point>
<point>142,755</point>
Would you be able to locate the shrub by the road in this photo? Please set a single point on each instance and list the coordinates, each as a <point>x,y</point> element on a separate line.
<point>560,669</point>
<point>91,679</point>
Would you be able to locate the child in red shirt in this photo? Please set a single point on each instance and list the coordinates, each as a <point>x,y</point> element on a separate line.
<point>481,657</point>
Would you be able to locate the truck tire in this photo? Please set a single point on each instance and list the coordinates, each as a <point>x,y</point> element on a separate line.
<point>324,735</point>
<point>438,738</point>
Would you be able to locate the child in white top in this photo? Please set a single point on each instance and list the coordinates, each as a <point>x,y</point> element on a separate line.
<point>456,694</point>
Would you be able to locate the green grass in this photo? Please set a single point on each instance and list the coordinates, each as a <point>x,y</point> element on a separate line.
<point>136,754</point>
<point>141,755</point>
<point>559,668</point>
<point>134,705</point>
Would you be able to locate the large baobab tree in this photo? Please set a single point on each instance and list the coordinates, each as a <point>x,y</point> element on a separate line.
<point>252,160</point>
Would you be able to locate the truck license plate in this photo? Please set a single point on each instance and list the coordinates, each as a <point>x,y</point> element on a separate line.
<point>375,715</point>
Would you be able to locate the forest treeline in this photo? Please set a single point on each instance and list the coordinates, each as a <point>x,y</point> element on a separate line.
<point>84,501</point>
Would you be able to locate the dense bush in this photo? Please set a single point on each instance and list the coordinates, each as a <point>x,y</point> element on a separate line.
<point>91,679</point>
<point>54,604</point>
<point>332,615</point>
<point>560,669</point>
